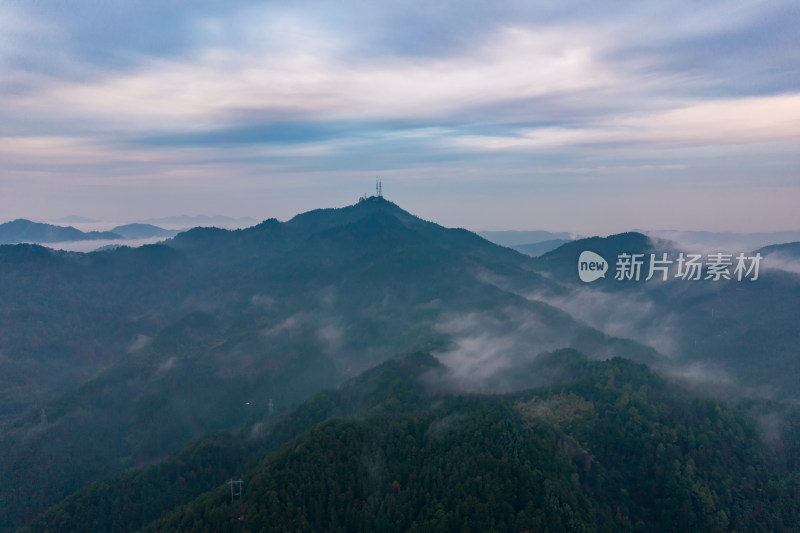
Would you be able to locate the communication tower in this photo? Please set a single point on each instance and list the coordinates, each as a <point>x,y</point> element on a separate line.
<point>236,489</point>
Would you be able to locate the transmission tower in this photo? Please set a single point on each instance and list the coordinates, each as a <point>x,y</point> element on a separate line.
<point>378,188</point>
<point>236,489</point>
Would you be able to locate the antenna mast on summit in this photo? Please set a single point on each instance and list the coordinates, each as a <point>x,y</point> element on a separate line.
<point>378,188</point>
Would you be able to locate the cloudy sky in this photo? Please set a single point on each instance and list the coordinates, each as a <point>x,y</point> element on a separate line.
<point>592,117</point>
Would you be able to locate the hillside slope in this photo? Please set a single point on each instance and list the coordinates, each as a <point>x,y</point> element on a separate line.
<point>611,447</point>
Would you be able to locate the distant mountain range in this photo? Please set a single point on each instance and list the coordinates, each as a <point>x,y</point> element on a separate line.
<point>536,243</point>
<point>186,221</point>
<point>531,243</point>
<point>26,231</point>
<point>540,248</point>
<point>515,238</point>
<point>22,230</point>
<point>179,221</point>
<point>142,231</point>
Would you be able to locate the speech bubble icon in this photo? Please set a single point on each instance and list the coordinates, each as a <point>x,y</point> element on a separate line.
<point>591,266</point>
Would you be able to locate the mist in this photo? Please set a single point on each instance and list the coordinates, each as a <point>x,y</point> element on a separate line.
<point>93,245</point>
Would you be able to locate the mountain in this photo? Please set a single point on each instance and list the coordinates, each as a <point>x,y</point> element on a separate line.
<point>790,250</point>
<point>142,231</point>
<point>186,221</point>
<point>391,450</point>
<point>735,336</point>
<point>562,262</point>
<point>580,458</point>
<point>539,248</point>
<point>114,360</point>
<point>169,341</point>
<point>518,238</point>
<point>25,231</point>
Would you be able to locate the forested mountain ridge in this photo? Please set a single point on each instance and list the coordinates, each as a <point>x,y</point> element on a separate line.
<point>609,447</point>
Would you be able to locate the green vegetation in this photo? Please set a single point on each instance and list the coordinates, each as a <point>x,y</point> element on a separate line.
<point>613,448</point>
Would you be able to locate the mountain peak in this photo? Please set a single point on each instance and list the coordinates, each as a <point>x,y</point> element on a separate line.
<point>23,230</point>
<point>317,220</point>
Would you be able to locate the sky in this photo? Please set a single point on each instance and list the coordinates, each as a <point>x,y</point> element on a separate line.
<point>581,116</point>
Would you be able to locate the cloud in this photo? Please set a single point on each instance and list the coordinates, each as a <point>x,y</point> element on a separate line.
<point>700,372</point>
<point>139,342</point>
<point>478,357</point>
<point>17,151</point>
<point>630,316</point>
<point>331,335</point>
<point>491,351</point>
<point>292,325</point>
<point>311,75</point>
<point>781,261</point>
<point>497,97</point>
<point>747,120</point>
